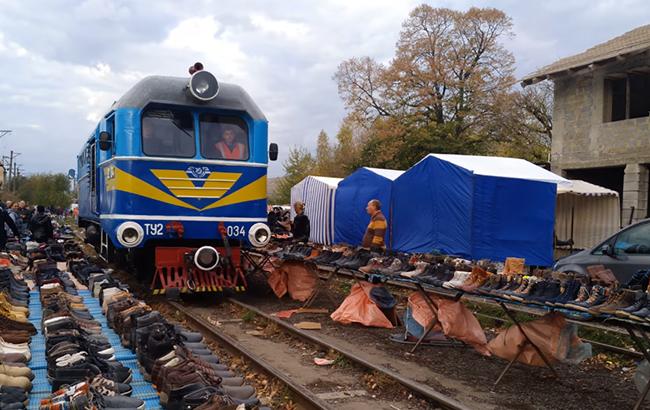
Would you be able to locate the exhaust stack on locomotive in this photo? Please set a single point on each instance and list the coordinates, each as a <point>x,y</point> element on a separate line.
<point>173,180</point>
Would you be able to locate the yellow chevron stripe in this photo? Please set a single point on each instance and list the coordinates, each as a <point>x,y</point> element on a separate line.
<point>251,192</point>
<point>126,182</point>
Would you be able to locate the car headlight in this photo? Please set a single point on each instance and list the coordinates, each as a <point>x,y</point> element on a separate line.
<point>130,234</point>
<point>206,258</point>
<point>259,235</point>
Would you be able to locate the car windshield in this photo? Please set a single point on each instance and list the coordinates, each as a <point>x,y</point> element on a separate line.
<point>168,133</point>
<point>223,137</point>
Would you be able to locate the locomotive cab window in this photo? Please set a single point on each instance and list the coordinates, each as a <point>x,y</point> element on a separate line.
<point>223,137</point>
<point>167,133</point>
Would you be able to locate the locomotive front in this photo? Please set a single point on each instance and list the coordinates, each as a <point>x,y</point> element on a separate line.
<point>181,181</point>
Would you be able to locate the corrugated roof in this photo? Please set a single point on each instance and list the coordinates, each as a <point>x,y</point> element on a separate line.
<point>391,174</point>
<point>579,187</point>
<point>632,42</point>
<point>504,167</point>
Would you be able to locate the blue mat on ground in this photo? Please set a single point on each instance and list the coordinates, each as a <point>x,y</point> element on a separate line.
<point>38,363</point>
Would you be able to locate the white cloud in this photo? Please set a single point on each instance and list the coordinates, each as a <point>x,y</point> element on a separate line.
<point>286,29</point>
<point>63,65</point>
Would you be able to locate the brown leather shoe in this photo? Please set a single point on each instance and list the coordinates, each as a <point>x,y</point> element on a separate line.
<point>12,358</point>
<point>16,336</point>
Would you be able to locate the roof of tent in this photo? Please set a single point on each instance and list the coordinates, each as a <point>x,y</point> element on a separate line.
<point>579,187</point>
<point>333,182</point>
<point>391,174</point>
<point>503,167</point>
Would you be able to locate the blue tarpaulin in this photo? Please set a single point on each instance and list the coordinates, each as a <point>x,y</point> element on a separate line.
<point>352,196</point>
<point>476,207</point>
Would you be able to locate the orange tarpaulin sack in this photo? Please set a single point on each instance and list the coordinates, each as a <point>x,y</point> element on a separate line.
<point>359,308</point>
<point>457,321</point>
<point>555,337</point>
<point>295,278</point>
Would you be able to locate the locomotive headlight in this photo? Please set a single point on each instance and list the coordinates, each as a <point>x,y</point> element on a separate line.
<point>259,235</point>
<point>206,258</point>
<point>130,234</point>
<point>203,86</point>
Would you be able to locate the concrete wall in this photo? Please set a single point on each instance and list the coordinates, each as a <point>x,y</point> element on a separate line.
<point>582,139</point>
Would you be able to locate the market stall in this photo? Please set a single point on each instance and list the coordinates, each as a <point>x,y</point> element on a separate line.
<point>352,196</point>
<point>318,195</point>
<point>469,206</point>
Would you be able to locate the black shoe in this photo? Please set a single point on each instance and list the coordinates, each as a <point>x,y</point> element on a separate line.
<point>550,290</point>
<point>72,374</point>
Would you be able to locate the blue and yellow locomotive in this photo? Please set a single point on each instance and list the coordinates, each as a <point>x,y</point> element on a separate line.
<point>174,178</point>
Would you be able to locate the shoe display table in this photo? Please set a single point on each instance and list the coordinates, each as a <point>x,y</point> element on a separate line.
<point>141,388</point>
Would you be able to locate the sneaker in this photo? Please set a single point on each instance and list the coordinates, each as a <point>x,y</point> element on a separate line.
<point>108,387</point>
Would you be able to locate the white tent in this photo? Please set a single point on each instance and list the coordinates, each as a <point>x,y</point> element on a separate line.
<point>318,194</point>
<point>586,213</point>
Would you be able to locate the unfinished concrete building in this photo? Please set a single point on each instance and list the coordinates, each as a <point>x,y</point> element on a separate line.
<point>601,118</point>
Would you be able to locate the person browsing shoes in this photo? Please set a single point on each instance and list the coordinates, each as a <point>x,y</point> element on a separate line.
<point>300,228</point>
<point>374,236</point>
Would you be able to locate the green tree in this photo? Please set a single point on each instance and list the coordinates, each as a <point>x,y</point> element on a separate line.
<point>46,189</point>
<point>324,155</point>
<point>447,89</point>
<point>297,166</point>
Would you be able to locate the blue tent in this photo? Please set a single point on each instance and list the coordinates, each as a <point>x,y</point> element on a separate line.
<point>352,196</point>
<point>476,207</point>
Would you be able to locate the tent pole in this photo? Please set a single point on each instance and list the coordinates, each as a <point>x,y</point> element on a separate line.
<point>573,208</point>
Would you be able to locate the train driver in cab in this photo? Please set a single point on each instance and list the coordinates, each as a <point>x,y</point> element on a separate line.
<point>228,147</point>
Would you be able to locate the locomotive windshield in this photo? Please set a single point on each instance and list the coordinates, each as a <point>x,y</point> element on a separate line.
<point>223,137</point>
<point>168,133</point>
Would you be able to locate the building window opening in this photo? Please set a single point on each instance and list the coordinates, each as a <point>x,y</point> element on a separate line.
<point>627,97</point>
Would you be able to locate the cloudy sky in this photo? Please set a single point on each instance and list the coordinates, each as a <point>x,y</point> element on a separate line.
<point>62,63</point>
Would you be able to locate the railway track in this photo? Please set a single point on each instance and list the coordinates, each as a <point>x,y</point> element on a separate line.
<point>304,393</point>
<point>305,396</point>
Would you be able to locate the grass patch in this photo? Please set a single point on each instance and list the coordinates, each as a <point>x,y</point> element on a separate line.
<point>342,362</point>
<point>248,316</point>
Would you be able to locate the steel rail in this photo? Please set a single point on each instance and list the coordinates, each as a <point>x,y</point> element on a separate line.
<point>231,344</point>
<point>422,389</point>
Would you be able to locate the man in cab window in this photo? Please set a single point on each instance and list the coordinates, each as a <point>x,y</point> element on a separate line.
<point>228,148</point>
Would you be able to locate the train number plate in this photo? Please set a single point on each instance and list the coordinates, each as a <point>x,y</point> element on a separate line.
<point>154,229</point>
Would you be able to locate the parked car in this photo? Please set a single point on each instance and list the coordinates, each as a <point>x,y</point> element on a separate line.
<point>625,253</point>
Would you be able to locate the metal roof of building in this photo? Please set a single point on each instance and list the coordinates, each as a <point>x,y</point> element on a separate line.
<point>173,90</point>
<point>632,42</point>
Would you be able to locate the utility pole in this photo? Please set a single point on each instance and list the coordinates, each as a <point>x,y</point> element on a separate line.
<point>4,132</point>
<point>13,166</point>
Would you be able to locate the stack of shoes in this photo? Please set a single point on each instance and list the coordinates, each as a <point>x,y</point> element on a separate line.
<point>77,351</point>
<point>415,269</point>
<point>326,257</point>
<point>477,278</point>
<point>457,280</point>
<point>186,373</point>
<point>15,336</point>
<point>437,274</point>
<point>89,395</point>
<point>296,252</point>
<point>624,296</point>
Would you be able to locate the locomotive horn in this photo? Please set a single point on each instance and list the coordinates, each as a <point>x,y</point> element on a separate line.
<point>196,67</point>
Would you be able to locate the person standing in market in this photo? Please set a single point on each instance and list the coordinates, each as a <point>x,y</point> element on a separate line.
<point>300,228</point>
<point>374,236</point>
<point>41,226</point>
<point>6,219</point>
